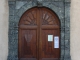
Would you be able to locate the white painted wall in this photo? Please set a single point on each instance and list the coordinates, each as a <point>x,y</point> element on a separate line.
<point>75,30</point>
<point>74,33</point>
<point>3,29</point>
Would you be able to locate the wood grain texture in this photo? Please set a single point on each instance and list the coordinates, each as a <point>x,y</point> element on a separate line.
<point>34,27</point>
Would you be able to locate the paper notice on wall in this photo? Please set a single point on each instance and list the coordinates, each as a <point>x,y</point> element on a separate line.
<point>56,42</point>
<point>50,38</point>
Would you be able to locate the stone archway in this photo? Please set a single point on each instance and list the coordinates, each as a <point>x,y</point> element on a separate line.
<point>57,7</point>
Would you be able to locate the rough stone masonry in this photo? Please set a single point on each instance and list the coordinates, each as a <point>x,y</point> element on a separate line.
<point>18,7</point>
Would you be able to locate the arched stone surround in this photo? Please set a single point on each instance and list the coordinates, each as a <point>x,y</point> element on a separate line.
<point>17,8</point>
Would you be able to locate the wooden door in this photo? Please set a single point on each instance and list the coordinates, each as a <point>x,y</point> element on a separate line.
<point>38,32</point>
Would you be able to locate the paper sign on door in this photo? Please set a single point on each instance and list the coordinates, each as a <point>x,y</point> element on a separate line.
<point>56,42</point>
<point>50,38</point>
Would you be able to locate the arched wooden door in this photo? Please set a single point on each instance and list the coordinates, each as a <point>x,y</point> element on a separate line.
<point>39,35</point>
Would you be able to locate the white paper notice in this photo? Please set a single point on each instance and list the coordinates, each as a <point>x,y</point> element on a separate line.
<point>56,42</point>
<point>50,37</point>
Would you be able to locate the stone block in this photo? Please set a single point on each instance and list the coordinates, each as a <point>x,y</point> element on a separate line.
<point>67,43</point>
<point>11,9</point>
<point>19,4</point>
<point>23,9</point>
<point>16,19</point>
<point>67,52</point>
<point>47,0</point>
<point>62,21</point>
<point>24,0</point>
<point>62,38</point>
<point>67,32</point>
<point>62,35</point>
<point>67,10</point>
<point>11,0</point>
<point>11,24</point>
<point>67,0</point>
<point>67,16</point>
<point>15,23</point>
<point>39,0</point>
<point>62,43</point>
<point>67,36</point>
<point>62,52</point>
<point>11,18</point>
<point>16,37</point>
<point>16,32</point>
<point>56,0</point>
<point>67,57</point>
<point>67,26</point>
<point>61,0</point>
<point>11,32</point>
<point>62,47</point>
<point>20,12</point>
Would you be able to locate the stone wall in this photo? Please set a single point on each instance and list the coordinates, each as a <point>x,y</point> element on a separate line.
<point>75,30</point>
<point>18,7</point>
<point>4,29</point>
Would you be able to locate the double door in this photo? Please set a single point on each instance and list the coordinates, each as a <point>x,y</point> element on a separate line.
<point>39,35</point>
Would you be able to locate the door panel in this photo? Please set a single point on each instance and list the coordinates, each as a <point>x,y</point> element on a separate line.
<point>28,44</point>
<point>48,50</point>
<point>48,26</point>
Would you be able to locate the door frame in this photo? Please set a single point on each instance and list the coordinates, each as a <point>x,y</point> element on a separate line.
<point>13,29</point>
